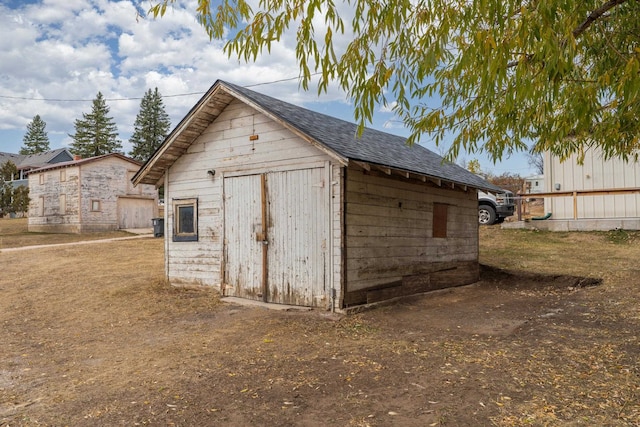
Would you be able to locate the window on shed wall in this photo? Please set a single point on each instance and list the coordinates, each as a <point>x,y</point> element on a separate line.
<point>41,178</point>
<point>41,205</point>
<point>63,175</point>
<point>63,204</point>
<point>95,206</point>
<point>440,214</point>
<point>185,220</point>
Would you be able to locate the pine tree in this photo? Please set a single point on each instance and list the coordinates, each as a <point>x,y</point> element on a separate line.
<point>96,133</point>
<point>8,171</point>
<point>21,199</point>
<point>36,139</point>
<point>151,126</point>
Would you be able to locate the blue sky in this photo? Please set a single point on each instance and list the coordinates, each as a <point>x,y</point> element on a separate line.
<point>55,55</point>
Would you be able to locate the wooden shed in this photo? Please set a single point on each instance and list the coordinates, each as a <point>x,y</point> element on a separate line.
<point>269,201</point>
<point>87,195</point>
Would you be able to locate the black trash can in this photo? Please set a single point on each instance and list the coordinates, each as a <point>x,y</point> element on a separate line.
<point>158,227</point>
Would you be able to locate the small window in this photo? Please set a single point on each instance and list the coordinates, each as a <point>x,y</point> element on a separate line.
<point>63,204</point>
<point>41,205</point>
<point>41,178</point>
<point>439,220</point>
<point>95,206</point>
<point>63,175</point>
<point>185,220</point>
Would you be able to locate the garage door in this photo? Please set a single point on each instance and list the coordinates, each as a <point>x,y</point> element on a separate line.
<point>135,213</point>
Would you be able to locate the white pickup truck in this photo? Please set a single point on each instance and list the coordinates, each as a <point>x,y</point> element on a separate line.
<point>494,208</point>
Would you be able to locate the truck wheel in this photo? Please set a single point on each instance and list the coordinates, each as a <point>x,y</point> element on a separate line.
<point>486,215</point>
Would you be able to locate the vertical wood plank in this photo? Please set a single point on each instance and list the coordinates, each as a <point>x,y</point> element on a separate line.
<point>264,242</point>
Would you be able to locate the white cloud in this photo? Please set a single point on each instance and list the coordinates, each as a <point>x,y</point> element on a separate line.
<point>388,108</point>
<point>71,49</point>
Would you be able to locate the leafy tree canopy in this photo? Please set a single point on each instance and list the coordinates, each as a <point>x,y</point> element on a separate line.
<point>96,133</point>
<point>35,140</point>
<point>564,74</point>
<point>151,126</point>
<point>473,166</point>
<point>509,181</point>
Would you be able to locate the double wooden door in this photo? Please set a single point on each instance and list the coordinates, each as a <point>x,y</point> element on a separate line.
<point>275,244</point>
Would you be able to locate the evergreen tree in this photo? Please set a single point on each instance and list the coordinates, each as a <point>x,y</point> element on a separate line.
<point>20,202</point>
<point>6,195</point>
<point>8,171</point>
<point>96,133</point>
<point>151,126</point>
<point>36,139</point>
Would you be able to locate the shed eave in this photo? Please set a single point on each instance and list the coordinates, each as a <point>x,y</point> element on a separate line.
<point>408,174</point>
<point>206,110</point>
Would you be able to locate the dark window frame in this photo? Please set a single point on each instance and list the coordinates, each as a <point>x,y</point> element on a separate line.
<point>185,231</point>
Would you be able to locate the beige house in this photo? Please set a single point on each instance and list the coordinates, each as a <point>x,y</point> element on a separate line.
<point>27,162</point>
<point>269,201</point>
<point>94,194</point>
<point>599,194</point>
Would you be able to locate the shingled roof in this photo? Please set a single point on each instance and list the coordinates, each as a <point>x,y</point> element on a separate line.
<point>338,137</point>
<point>30,161</point>
<point>81,161</point>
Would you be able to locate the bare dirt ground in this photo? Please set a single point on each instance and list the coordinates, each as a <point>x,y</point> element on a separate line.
<point>92,336</point>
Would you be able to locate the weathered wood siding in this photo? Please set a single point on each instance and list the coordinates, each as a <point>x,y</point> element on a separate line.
<point>226,147</point>
<point>83,188</point>
<point>390,248</point>
<point>595,173</point>
<point>46,214</point>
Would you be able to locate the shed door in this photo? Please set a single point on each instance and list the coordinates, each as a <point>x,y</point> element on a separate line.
<point>276,236</point>
<point>242,220</point>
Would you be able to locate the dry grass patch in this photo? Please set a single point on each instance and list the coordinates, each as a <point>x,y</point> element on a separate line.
<point>14,234</point>
<point>92,335</point>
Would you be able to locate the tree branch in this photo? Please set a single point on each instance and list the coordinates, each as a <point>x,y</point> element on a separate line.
<point>595,15</point>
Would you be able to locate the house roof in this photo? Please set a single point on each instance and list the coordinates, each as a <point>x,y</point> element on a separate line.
<point>338,137</point>
<point>83,161</point>
<point>30,161</point>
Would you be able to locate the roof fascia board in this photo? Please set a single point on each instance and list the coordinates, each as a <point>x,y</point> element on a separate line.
<point>184,123</point>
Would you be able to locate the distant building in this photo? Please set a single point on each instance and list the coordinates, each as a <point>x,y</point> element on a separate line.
<point>534,184</point>
<point>93,194</point>
<point>28,162</point>
<point>599,194</point>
